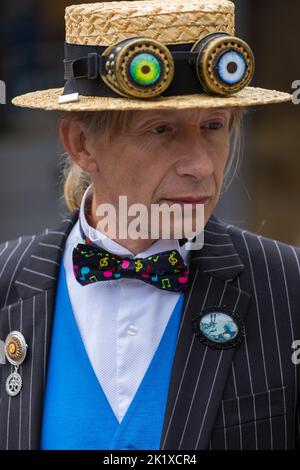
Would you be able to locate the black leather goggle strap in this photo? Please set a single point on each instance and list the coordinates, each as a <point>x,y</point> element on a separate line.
<point>83,65</point>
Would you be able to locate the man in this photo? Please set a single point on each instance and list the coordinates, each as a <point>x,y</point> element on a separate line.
<point>127,343</point>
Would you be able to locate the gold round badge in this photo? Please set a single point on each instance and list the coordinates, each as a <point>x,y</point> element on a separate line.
<point>12,348</point>
<point>15,348</point>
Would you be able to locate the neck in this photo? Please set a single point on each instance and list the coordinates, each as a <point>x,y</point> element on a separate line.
<point>134,246</point>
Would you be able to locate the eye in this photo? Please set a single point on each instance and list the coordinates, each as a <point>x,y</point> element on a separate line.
<point>214,125</point>
<point>160,129</point>
<point>145,69</point>
<point>231,67</point>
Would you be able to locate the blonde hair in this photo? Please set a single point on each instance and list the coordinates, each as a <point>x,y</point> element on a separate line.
<point>75,181</point>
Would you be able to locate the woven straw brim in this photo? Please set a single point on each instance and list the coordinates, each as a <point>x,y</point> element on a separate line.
<point>249,96</point>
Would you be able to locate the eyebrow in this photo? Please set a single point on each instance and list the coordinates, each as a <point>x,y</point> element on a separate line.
<point>169,113</point>
<point>154,115</point>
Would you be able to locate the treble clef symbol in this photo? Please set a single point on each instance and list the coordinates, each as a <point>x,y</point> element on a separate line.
<point>172,259</point>
<point>103,261</point>
<point>138,265</point>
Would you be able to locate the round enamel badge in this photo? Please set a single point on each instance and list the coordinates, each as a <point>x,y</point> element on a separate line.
<point>15,351</point>
<point>219,329</point>
<point>15,348</point>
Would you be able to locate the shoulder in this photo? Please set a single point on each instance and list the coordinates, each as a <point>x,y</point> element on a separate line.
<point>253,245</point>
<point>30,250</point>
<point>12,252</point>
<point>267,261</point>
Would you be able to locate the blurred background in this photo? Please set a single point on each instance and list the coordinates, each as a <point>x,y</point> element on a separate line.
<point>265,196</point>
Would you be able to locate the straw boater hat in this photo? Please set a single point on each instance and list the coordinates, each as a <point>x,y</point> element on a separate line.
<point>153,54</point>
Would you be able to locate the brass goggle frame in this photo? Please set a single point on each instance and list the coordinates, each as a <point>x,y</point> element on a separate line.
<point>142,67</point>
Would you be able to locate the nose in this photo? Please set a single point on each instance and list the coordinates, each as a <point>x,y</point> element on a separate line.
<point>195,159</point>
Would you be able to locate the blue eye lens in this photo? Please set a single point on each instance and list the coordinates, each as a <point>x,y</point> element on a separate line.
<point>231,67</point>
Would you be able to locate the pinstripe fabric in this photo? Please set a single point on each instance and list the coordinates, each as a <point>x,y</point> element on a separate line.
<point>28,273</point>
<point>243,398</point>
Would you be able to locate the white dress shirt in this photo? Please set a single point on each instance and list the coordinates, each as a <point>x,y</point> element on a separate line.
<point>121,321</point>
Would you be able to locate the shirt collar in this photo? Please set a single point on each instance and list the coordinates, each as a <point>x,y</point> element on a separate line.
<point>101,240</point>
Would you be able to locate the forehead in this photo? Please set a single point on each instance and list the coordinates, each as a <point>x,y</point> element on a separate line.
<point>179,113</point>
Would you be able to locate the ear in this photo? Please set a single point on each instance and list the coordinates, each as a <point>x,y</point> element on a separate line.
<point>74,138</point>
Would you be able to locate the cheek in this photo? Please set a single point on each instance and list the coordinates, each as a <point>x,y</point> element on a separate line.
<point>137,172</point>
<point>120,163</point>
<point>221,153</point>
<point>223,161</point>
<point>146,162</point>
<point>219,157</point>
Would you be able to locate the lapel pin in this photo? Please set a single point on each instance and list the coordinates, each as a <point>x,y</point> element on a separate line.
<point>219,328</point>
<point>15,351</point>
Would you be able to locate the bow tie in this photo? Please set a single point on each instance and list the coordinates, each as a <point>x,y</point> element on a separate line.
<point>166,270</point>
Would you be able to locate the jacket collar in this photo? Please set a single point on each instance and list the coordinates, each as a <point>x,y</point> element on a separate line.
<point>218,256</point>
<point>41,266</point>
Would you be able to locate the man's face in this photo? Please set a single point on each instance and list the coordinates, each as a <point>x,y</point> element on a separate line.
<point>164,156</point>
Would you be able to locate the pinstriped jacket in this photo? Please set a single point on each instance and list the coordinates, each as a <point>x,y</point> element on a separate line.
<point>241,398</point>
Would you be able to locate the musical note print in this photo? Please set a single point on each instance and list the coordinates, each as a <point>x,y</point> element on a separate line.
<point>107,273</point>
<point>165,270</point>
<point>183,279</point>
<point>165,281</point>
<point>172,259</point>
<point>138,265</point>
<point>103,261</point>
<point>86,254</point>
<point>84,271</point>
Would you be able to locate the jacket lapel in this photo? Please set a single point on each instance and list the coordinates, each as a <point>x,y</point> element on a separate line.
<point>31,314</point>
<point>199,373</point>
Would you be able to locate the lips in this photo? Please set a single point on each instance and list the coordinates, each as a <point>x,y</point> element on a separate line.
<point>188,200</point>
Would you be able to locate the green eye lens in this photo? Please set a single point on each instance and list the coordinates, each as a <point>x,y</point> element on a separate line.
<point>138,67</point>
<point>145,69</point>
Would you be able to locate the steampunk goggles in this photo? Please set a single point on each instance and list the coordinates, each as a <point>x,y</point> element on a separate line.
<point>141,67</point>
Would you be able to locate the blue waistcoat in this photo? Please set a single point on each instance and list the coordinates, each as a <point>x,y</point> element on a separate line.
<point>77,414</point>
